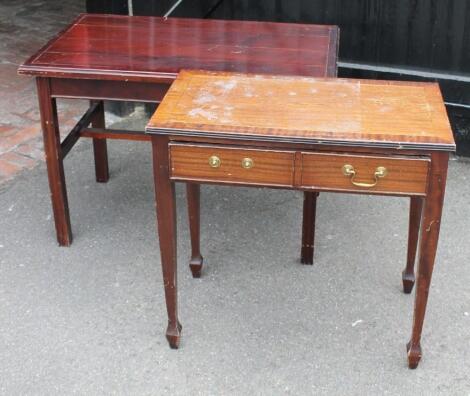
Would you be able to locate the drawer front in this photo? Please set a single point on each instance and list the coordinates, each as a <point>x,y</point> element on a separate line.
<point>231,165</point>
<point>340,172</point>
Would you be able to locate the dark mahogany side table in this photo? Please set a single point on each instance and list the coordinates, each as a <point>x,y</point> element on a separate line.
<point>345,136</point>
<point>110,57</point>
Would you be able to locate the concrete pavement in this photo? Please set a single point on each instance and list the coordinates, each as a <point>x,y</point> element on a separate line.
<point>90,319</point>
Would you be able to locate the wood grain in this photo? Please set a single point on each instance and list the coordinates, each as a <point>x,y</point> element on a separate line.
<point>54,162</point>
<point>191,162</point>
<point>430,226</point>
<point>100,150</point>
<point>154,49</point>
<point>109,57</point>
<point>298,109</point>
<point>74,88</point>
<point>166,225</point>
<point>405,175</point>
<point>408,274</point>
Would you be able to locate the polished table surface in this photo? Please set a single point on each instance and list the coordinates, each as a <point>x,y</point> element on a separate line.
<point>328,111</point>
<point>125,58</point>
<point>347,136</point>
<point>149,48</point>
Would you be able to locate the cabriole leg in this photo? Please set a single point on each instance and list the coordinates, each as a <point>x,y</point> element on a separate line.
<point>427,250</point>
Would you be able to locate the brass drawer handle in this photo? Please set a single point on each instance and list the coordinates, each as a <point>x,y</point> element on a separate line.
<point>214,161</point>
<point>247,163</point>
<point>380,171</point>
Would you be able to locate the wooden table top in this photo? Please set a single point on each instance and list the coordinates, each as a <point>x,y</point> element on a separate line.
<point>369,113</point>
<point>120,47</point>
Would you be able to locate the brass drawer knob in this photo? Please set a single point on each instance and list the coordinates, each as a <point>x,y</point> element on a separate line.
<point>247,163</point>
<point>380,171</point>
<point>214,161</point>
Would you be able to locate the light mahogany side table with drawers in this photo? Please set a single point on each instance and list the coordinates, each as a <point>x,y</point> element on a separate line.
<point>337,135</point>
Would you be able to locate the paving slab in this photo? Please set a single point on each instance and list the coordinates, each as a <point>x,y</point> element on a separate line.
<point>25,26</point>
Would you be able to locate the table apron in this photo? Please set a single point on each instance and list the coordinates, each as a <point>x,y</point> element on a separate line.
<point>301,170</point>
<point>108,90</point>
<point>296,188</point>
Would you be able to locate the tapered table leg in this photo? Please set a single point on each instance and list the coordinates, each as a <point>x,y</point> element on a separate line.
<point>308,227</point>
<point>427,250</point>
<point>100,150</point>
<point>166,222</point>
<point>54,162</point>
<point>193,196</point>
<point>408,275</point>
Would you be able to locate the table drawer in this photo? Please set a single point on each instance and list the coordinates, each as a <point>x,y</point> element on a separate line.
<point>342,172</point>
<point>231,164</point>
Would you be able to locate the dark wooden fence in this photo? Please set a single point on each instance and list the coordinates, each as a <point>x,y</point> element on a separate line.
<point>394,39</point>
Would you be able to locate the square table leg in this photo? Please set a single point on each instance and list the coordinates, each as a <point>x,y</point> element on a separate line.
<point>308,227</point>
<point>54,161</point>
<point>100,150</point>
<point>427,250</point>
<point>166,223</point>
